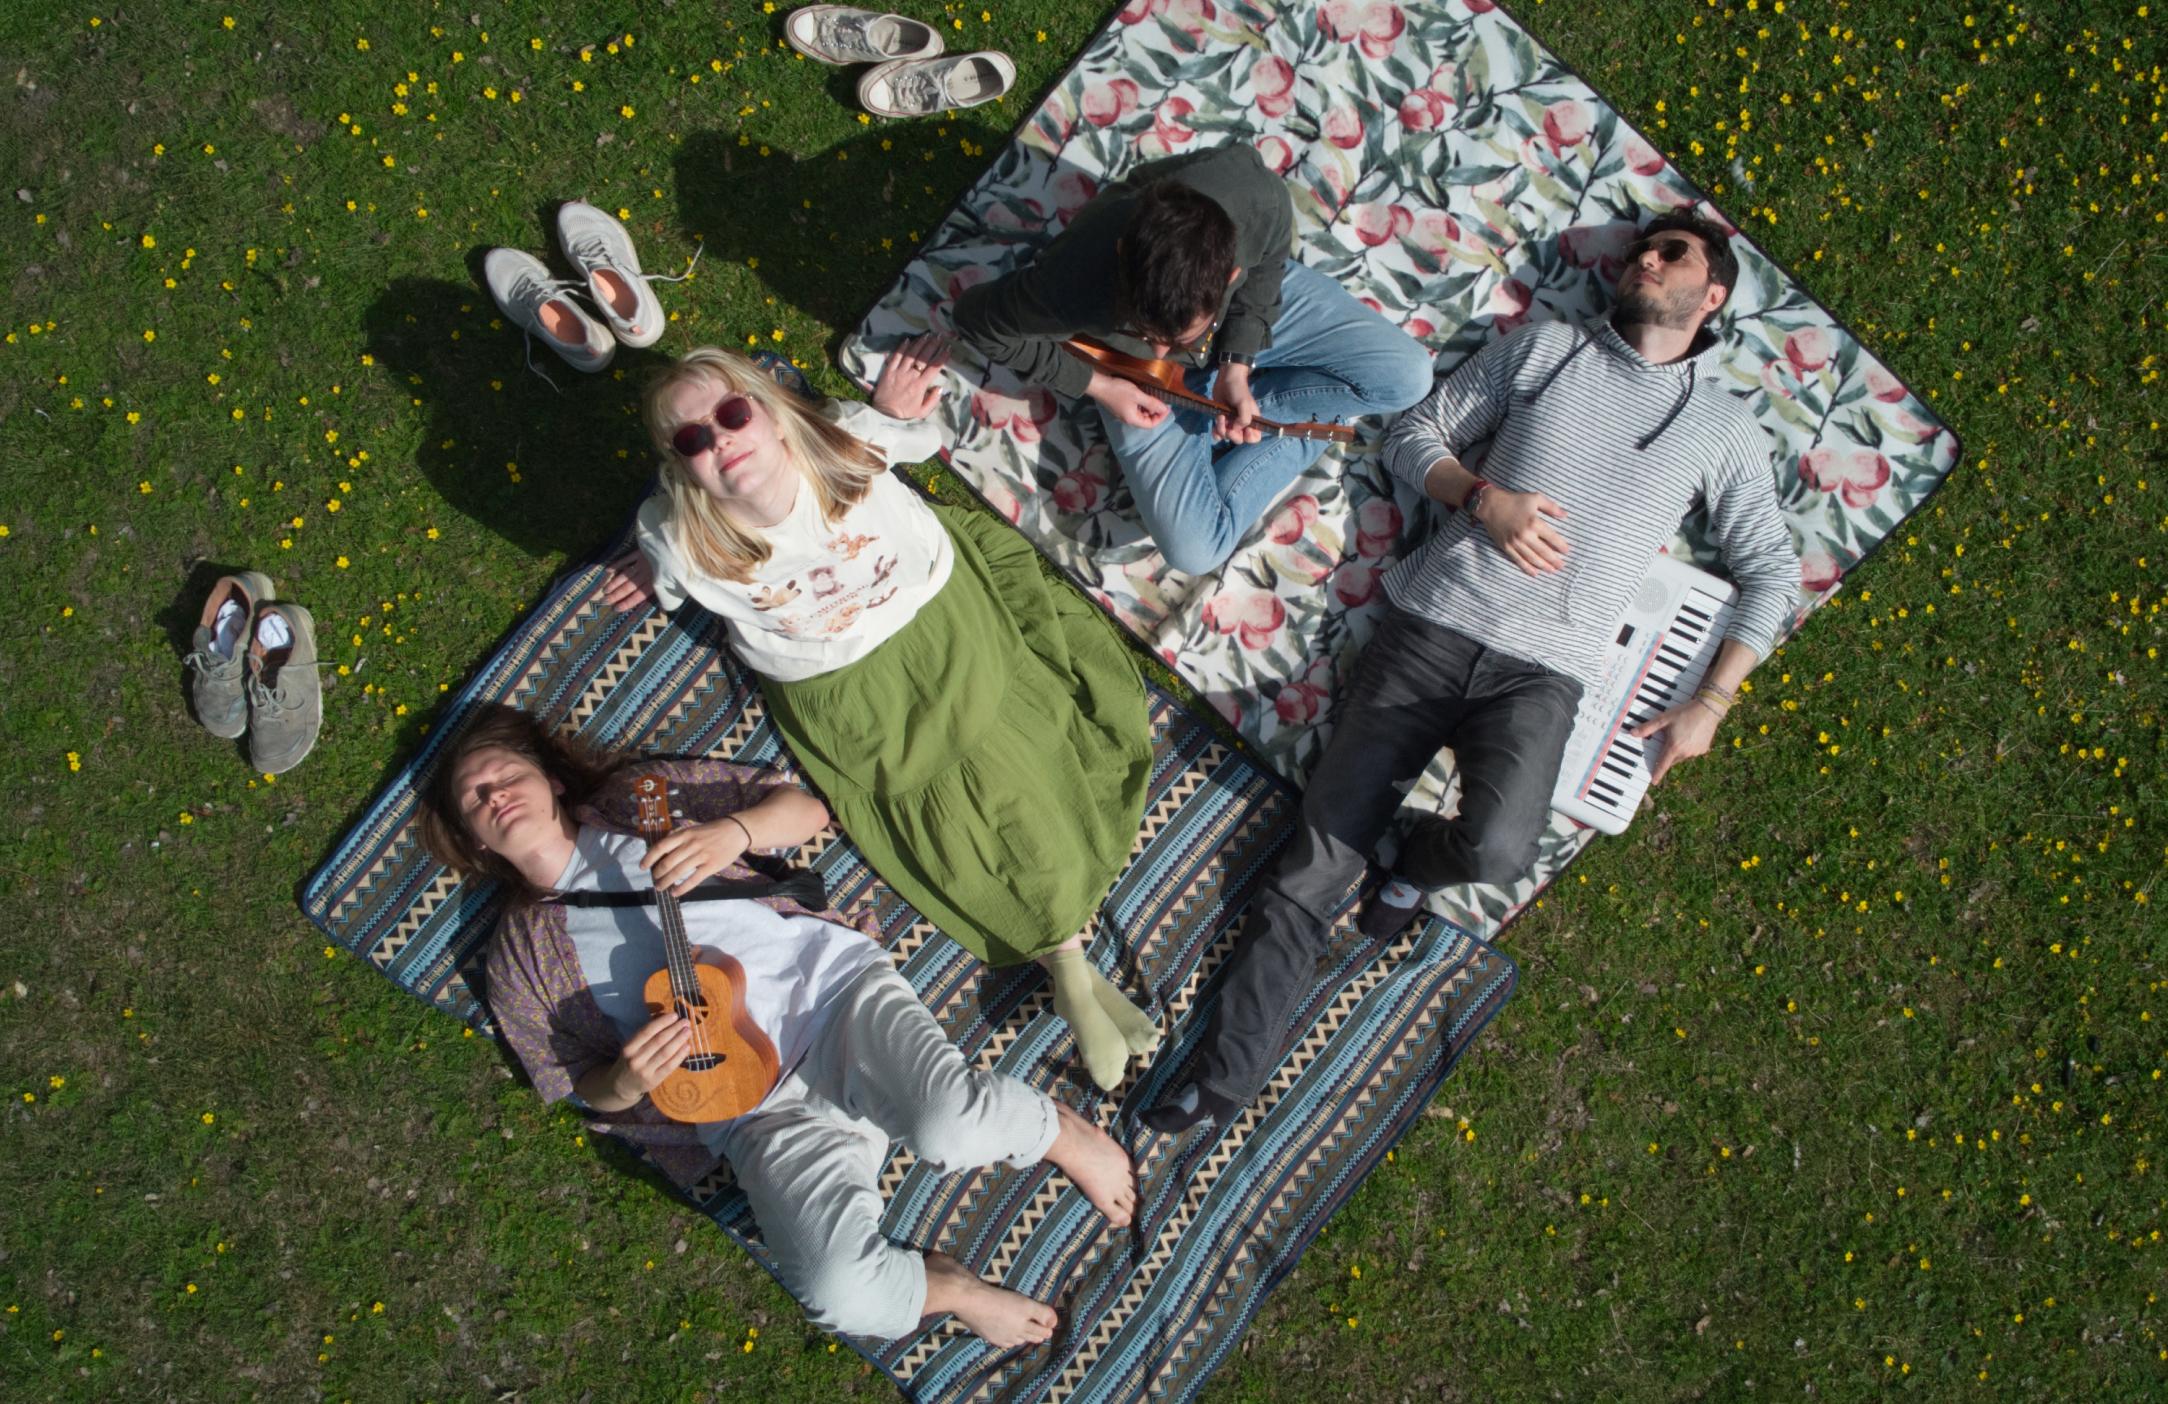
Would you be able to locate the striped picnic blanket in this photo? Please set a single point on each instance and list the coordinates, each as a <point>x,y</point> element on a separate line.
<point>1222,1216</point>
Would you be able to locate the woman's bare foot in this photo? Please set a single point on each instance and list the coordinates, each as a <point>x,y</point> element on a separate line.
<point>1003,1319</point>
<point>1098,1166</point>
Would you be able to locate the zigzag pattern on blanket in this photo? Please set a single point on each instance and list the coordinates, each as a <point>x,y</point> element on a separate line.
<point>1221,1218</point>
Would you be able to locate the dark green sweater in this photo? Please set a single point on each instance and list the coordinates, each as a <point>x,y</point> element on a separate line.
<point>1020,320</point>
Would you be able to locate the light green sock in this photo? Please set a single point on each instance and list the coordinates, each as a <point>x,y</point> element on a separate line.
<point>1139,1033</point>
<point>1099,1040</point>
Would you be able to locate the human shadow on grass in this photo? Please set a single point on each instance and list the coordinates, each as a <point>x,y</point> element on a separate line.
<point>553,471</point>
<point>809,225</point>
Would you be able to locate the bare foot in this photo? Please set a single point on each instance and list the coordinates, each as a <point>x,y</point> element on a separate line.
<point>1003,1319</point>
<point>1099,1166</point>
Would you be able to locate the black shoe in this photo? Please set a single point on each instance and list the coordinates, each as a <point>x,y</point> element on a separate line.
<point>1187,1106</point>
<point>1423,854</point>
<point>1390,910</point>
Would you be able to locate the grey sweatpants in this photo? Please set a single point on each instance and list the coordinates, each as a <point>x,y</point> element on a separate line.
<point>810,1157</point>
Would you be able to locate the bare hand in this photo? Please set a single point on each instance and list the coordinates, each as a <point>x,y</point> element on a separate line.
<point>910,383</point>
<point>653,1054</point>
<point>1515,520</point>
<point>1127,402</point>
<point>1233,390</point>
<point>690,852</point>
<point>629,582</point>
<point>1687,729</point>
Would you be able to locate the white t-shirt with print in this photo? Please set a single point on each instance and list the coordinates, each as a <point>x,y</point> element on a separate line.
<point>829,592</point>
<point>795,966</point>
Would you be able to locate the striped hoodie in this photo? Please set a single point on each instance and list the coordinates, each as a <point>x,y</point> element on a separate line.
<point>1627,447</point>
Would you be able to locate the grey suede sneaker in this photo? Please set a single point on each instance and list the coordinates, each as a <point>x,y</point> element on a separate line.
<point>219,653</point>
<point>840,34</point>
<point>285,694</point>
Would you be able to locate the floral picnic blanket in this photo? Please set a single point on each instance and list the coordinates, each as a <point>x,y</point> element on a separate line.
<point>1462,181</point>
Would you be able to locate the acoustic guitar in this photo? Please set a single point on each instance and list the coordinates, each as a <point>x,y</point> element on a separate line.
<point>1163,381</point>
<point>732,1066</point>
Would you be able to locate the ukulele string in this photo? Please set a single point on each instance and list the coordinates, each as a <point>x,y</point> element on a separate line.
<point>690,997</point>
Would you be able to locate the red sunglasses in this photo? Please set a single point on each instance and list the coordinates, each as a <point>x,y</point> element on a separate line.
<point>733,412</point>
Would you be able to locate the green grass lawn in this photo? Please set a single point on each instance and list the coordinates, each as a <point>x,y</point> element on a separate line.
<point>1841,1074</point>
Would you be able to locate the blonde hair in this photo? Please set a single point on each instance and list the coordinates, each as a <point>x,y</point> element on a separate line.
<point>839,466</point>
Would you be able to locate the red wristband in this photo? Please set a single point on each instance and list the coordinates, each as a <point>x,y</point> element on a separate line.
<point>1467,498</point>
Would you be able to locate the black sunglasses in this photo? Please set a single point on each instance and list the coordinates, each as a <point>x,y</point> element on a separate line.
<point>733,412</point>
<point>1671,250</point>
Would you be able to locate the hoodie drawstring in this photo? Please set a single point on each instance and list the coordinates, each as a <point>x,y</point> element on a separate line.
<point>1684,396</point>
<point>1580,345</point>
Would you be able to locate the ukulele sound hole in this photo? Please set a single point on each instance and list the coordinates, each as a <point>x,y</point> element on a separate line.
<point>702,1062</point>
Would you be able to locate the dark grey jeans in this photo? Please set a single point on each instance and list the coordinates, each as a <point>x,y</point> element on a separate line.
<point>1418,687</point>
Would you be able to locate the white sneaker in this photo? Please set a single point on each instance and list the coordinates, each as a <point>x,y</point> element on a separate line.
<point>601,249</point>
<point>918,87</point>
<point>542,307</point>
<point>839,34</point>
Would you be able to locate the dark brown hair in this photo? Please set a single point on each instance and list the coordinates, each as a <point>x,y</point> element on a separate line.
<point>562,757</point>
<point>1177,253</point>
<point>1715,245</point>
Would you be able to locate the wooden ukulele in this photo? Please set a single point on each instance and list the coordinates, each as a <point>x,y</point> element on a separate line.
<point>1163,380</point>
<point>732,1065</point>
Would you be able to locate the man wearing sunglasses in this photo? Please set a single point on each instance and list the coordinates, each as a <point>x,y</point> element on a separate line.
<point>1186,259</point>
<point>1602,437</point>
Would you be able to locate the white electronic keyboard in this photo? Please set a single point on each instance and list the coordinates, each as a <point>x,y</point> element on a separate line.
<point>1668,637</point>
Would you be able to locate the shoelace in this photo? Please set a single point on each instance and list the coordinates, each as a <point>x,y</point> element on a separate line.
<point>920,91</point>
<point>848,33</point>
<point>594,252</point>
<point>528,295</point>
<point>273,700</point>
<point>203,660</point>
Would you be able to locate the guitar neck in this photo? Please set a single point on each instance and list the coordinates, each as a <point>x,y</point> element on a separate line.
<point>677,947</point>
<point>1162,380</point>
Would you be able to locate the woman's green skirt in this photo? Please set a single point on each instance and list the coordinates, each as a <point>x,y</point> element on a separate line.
<point>990,760</point>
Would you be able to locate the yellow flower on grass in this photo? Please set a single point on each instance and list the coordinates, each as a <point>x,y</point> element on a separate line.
<point>625,111</point>
<point>149,335</point>
<point>144,487</point>
<point>208,1118</point>
<point>75,760</point>
<point>148,241</point>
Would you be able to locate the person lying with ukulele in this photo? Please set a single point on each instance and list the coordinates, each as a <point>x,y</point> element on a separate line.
<point>857,1058</point>
<point>1186,259</point>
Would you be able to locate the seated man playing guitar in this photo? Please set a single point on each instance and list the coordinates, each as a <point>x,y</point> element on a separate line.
<point>1602,437</point>
<point>858,1058</point>
<point>1187,258</point>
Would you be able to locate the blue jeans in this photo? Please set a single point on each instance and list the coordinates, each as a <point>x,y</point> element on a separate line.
<point>1331,360</point>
